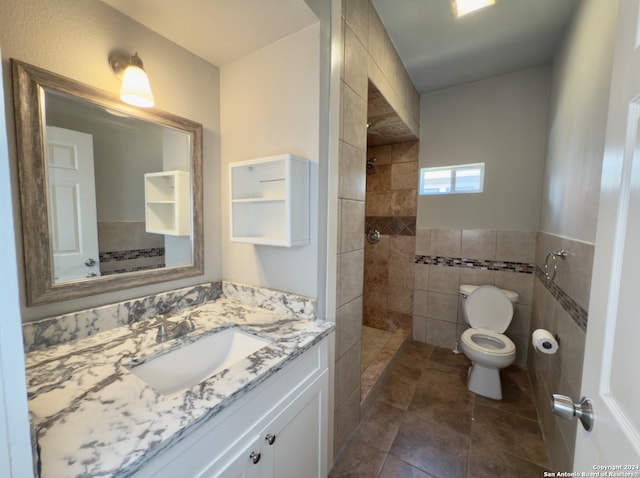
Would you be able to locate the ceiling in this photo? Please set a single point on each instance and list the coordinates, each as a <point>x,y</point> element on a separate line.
<point>439,50</point>
<point>219,31</point>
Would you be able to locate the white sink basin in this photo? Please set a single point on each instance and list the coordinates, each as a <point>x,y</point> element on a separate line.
<point>184,367</point>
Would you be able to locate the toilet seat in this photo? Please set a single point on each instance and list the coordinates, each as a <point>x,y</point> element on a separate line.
<point>488,342</point>
<point>489,308</point>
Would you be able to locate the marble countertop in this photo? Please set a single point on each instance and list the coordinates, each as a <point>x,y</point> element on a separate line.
<point>92,417</point>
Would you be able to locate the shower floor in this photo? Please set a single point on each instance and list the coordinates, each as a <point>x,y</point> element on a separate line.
<point>380,349</point>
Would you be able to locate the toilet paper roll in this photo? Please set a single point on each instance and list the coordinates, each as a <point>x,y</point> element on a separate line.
<point>544,341</point>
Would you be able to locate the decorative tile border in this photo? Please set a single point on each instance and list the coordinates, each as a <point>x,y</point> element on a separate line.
<point>579,315</point>
<point>392,225</point>
<point>131,254</point>
<point>133,269</point>
<point>487,265</point>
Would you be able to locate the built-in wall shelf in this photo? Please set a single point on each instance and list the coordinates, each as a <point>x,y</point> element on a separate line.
<point>270,201</point>
<point>167,203</point>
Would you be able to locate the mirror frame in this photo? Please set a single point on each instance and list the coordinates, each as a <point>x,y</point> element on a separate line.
<point>29,83</point>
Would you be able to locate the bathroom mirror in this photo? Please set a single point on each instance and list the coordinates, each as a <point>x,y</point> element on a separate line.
<point>111,195</point>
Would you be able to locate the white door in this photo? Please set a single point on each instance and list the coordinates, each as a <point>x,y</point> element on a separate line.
<point>72,204</point>
<point>612,353</point>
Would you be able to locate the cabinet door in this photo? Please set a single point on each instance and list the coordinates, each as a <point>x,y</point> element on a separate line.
<point>294,443</point>
<point>245,463</point>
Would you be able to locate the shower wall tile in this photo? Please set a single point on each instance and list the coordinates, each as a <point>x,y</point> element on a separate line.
<point>348,326</point>
<point>382,154</point>
<point>351,233</point>
<point>354,117</point>
<point>351,181</point>
<point>405,152</point>
<point>404,202</point>
<point>404,175</point>
<point>357,17</point>
<point>378,203</point>
<point>351,276</point>
<point>355,61</point>
<point>379,176</point>
<point>346,419</point>
<point>347,377</point>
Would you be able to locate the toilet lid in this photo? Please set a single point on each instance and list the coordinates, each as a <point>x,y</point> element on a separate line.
<point>489,308</point>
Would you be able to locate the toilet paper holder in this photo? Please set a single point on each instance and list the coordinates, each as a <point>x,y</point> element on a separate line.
<point>562,254</point>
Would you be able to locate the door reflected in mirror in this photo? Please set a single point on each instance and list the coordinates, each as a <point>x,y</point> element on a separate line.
<point>101,167</point>
<point>111,195</point>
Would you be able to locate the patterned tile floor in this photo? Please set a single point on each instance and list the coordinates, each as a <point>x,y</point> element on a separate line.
<point>426,423</point>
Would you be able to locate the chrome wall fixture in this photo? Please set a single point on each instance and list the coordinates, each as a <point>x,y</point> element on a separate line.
<point>373,236</point>
<point>562,254</point>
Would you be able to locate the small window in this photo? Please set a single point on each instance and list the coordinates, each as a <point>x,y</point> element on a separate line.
<point>464,178</point>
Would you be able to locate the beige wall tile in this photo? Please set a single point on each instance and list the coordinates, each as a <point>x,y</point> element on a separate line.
<point>351,276</point>
<point>516,246</point>
<point>420,303</point>
<point>517,282</point>
<point>444,279</point>
<point>446,242</point>
<point>423,241</point>
<point>378,204</point>
<point>357,16</point>
<point>379,178</point>
<point>400,299</point>
<point>404,202</point>
<point>347,377</point>
<point>421,276</point>
<point>382,154</point>
<point>377,34</point>
<point>346,419</point>
<point>440,333</point>
<point>479,244</point>
<point>443,307</point>
<point>475,276</point>
<point>404,175</point>
<point>348,326</point>
<point>405,152</point>
<point>352,226</point>
<point>352,179</point>
<point>355,63</point>
<point>354,119</point>
<point>419,331</point>
<point>521,320</point>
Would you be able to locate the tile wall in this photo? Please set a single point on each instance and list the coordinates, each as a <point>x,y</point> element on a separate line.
<point>368,54</point>
<point>560,306</point>
<point>125,246</point>
<point>391,209</point>
<point>447,258</point>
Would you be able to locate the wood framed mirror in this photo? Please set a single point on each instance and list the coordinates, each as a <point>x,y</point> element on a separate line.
<point>111,195</point>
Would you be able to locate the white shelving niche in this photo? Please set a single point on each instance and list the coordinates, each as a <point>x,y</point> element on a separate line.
<point>270,201</point>
<point>167,203</point>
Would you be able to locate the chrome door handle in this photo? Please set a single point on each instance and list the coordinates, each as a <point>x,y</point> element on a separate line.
<point>90,262</point>
<point>564,407</point>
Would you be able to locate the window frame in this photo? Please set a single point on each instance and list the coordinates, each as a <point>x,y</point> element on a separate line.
<point>454,170</point>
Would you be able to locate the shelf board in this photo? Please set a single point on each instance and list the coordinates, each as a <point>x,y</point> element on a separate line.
<point>257,200</point>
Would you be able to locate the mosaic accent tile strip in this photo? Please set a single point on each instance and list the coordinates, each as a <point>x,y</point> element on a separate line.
<point>133,269</point>
<point>579,315</point>
<point>487,265</point>
<point>392,225</point>
<point>131,254</point>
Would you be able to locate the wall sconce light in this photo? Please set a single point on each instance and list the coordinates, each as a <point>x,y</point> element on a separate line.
<point>135,89</point>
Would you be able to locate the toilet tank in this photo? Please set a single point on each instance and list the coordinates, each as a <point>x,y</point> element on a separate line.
<point>466,290</point>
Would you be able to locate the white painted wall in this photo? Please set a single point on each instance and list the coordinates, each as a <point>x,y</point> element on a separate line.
<point>501,121</point>
<point>270,105</point>
<point>74,39</point>
<point>577,124</point>
<point>15,446</point>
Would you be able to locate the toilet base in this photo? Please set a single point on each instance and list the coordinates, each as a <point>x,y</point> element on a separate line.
<point>484,381</point>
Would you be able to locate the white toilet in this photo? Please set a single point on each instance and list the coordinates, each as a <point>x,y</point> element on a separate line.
<point>488,310</point>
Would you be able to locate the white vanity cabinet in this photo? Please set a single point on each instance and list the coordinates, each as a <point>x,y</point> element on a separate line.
<point>277,430</point>
<point>270,201</point>
<point>167,203</point>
